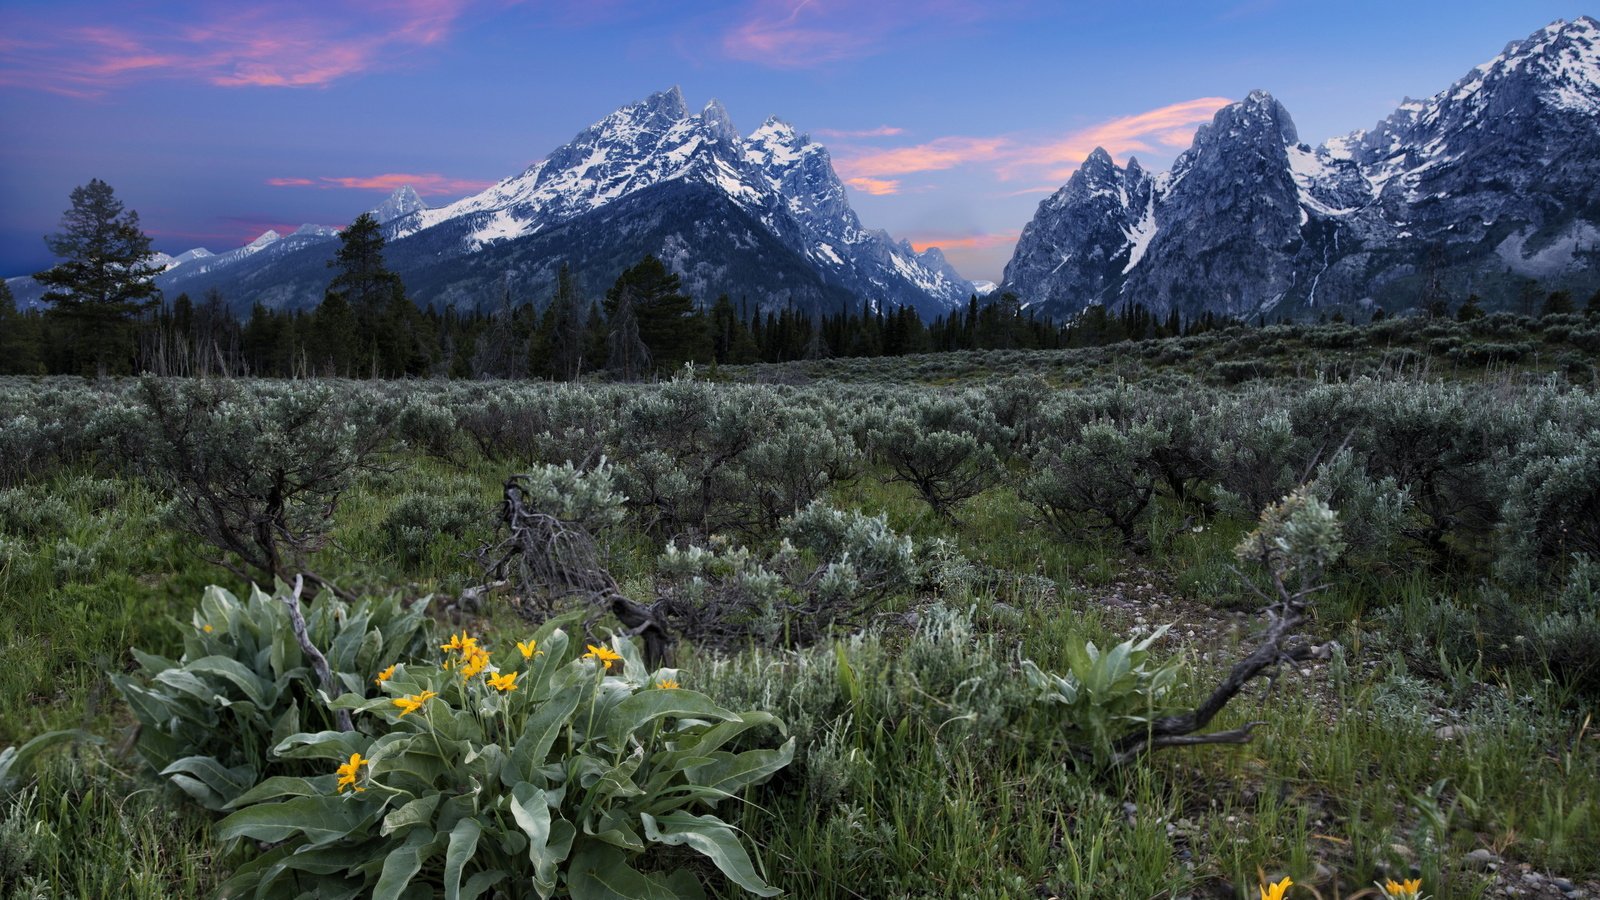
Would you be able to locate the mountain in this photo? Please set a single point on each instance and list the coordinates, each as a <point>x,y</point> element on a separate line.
<point>763,218</point>
<point>1481,188</point>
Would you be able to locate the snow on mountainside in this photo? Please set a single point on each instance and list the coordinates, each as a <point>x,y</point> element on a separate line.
<point>763,218</point>
<point>1486,184</point>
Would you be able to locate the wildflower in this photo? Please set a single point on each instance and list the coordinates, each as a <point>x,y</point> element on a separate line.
<point>668,684</point>
<point>603,654</point>
<point>207,628</point>
<point>1276,891</point>
<point>1410,889</point>
<point>412,703</point>
<point>473,663</point>
<point>455,643</point>
<point>530,649</point>
<point>347,772</point>
<point>385,675</point>
<point>503,683</point>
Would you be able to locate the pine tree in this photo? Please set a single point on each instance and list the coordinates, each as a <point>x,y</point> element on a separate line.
<point>668,324</point>
<point>377,299</point>
<point>629,356</point>
<point>566,333</point>
<point>105,280</point>
<point>19,350</point>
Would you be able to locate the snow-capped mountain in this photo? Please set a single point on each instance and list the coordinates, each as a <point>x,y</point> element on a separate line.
<point>1477,189</point>
<point>762,218</point>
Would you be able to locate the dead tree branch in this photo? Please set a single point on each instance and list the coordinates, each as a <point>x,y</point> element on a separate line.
<point>319,663</point>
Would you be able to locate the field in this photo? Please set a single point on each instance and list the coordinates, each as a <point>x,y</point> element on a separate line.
<point>905,561</point>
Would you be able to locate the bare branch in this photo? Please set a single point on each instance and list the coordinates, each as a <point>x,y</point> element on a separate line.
<point>319,663</point>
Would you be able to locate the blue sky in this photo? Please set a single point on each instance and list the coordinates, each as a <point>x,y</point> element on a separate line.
<point>949,119</point>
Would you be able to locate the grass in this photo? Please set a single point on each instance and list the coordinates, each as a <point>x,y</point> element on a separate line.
<point>924,769</point>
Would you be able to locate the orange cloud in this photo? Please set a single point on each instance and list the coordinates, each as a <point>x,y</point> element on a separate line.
<point>964,241</point>
<point>1168,126</point>
<point>874,186</point>
<point>228,45</point>
<point>1171,126</point>
<point>941,153</point>
<point>429,183</point>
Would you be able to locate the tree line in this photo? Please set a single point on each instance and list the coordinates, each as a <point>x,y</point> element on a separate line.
<point>106,316</point>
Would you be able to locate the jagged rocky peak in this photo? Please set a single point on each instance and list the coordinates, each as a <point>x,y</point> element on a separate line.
<point>717,121</point>
<point>403,202</point>
<point>266,238</point>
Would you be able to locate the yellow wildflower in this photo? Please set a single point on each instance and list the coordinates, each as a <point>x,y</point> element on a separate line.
<point>473,663</point>
<point>347,772</point>
<point>668,684</point>
<point>504,683</point>
<point>455,643</point>
<point>1276,891</point>
<point>207,628</point>
<point>603,654</point>
<point>412,703</point>
<point>530,649</point>
<point>385,675</point>
<point>1403,890</point>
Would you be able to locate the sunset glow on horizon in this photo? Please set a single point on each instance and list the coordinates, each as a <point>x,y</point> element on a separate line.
<point>948,120</point>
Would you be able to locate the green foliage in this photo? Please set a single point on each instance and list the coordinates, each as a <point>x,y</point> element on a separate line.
<point>555,774</point>
<point>210,719</point>
<point>1102,478</point>
<point>1107,695</point>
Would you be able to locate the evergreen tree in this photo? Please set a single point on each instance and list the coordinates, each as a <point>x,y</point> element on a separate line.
<point>1558,303</point>
<point>19,337</point>
<point>105,280</point>
<point>628,355</point>
<point>668,325</point>
<point>567,341</point>
<point>377,298</point>
<point>1471,309</point>
<point>1593,306</point>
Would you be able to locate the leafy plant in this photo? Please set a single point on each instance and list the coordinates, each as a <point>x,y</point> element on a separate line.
<point>1107,694</point>
<point>209,720</point>
<point>524,767</point>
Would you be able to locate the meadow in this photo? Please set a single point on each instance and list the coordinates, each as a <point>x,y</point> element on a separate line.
<point>895,627</point>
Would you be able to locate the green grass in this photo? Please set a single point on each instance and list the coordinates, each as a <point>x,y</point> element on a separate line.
<point>912,780</point>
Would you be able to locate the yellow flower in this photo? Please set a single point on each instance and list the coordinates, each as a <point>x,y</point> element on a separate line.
<point>530,649</point>
<point>347,772</point>
<point>1403,890</point>
<point>413,702</point>
<point>1276,891</point>
<point>207,628</point>
<point>455,643</point>
<point>473,663</point>
<point>505,683</point>
<point>385,675</point>
<point>603,654</point>
<point>668,684</point>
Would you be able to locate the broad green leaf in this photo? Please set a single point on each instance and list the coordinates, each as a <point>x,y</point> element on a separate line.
<point>285,786</point>
<point>481,882</point>
<point>645,707</point>
<point>531,809</point>
<point>322,745</point>
<point>715,839</point>
<point>257,689</point>
<point>15,760</point>
<point>463,843</point>
<point>401,865</point>
<point>320,819</point>
<point>208,781</point>
<point>731,773</point>
<point>601,872</point>
<point>417,812</point>
<point>540,734</point>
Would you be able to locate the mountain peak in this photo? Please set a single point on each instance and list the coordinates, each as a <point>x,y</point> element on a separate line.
<point>403,202</point>
<point>716,118</point>
<point>266,238</point>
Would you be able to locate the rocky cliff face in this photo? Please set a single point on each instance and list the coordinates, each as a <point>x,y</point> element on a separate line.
<point>1477,189</point>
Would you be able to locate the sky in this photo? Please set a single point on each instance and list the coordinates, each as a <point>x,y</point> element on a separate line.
<point>950,120</point>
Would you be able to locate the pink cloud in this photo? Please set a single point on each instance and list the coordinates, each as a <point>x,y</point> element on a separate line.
<point>880,131</point>
<point>877,187</point>
<point>1172,126</point>
<point>228,45</point>
<point>1169,126</point>
<point>940,153</point>
<point>964,241</point>
<point>430,183</point>
<point>796,34</point>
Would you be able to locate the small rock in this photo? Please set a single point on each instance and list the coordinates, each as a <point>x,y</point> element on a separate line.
<point>1450,732</point>
<point>1482,859</point>
<point>1401,851</point>
<point>1563,885</point>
